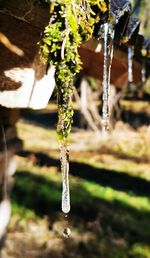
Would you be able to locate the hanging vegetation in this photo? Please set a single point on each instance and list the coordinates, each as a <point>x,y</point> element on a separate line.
<point>71,23</point>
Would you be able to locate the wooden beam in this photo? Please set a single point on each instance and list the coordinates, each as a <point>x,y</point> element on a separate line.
<point>27,11</point>
<point>93,64</point>
<point>22,21</point>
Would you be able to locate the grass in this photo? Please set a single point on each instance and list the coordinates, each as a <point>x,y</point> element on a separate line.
<point>141,106</point>
<point>110,195</point>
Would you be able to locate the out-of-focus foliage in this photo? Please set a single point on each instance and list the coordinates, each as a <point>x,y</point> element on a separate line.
<point>141,9</point>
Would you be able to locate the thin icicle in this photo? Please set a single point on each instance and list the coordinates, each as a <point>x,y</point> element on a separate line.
<point>143,72</point>
<point>130,64</point>
<point>108,56</point>
<point>84,93</point>
<point>64,157</point>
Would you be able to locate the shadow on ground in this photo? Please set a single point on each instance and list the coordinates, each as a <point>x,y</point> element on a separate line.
<point>48,118</point>
<point>135,120</point>
<point>116,180</point>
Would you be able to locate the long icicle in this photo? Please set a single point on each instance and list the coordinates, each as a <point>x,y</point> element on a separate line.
<point>63,129</point>
<point>108,56</point>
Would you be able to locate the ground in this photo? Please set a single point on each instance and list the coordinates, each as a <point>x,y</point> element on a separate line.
<point>110,191</point>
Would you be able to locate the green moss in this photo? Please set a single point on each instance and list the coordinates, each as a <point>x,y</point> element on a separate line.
<point>71,23</point>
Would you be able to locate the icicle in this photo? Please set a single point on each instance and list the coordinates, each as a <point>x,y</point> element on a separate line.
<point>108,56</point>
<point>143,72</point>
<point>84,94</point>
<point>5,205</point>
<point>130,64</point>
<point>5,213</point>
<point>5,186</point>
<point>64,157</point>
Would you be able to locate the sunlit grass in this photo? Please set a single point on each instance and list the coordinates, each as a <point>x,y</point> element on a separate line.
<point>140,251</point>
<point>140,106</point>
<point>36,137</point>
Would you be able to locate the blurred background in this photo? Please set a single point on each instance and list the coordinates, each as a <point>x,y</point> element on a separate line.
<point>109,175</point>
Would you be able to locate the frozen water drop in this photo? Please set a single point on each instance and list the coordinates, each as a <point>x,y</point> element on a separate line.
<point>66,232</point>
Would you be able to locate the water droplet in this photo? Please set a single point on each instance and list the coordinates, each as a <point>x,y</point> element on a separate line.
<point>67,232</point>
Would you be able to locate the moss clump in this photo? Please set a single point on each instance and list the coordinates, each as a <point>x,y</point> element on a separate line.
<point>71,23</point>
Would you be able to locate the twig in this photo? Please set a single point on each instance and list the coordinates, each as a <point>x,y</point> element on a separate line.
<point>86,113</point>
<point>5,41</point>
<point>63,45</point>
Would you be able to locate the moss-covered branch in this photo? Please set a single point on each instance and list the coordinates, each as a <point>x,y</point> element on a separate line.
<point>71,23</point>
